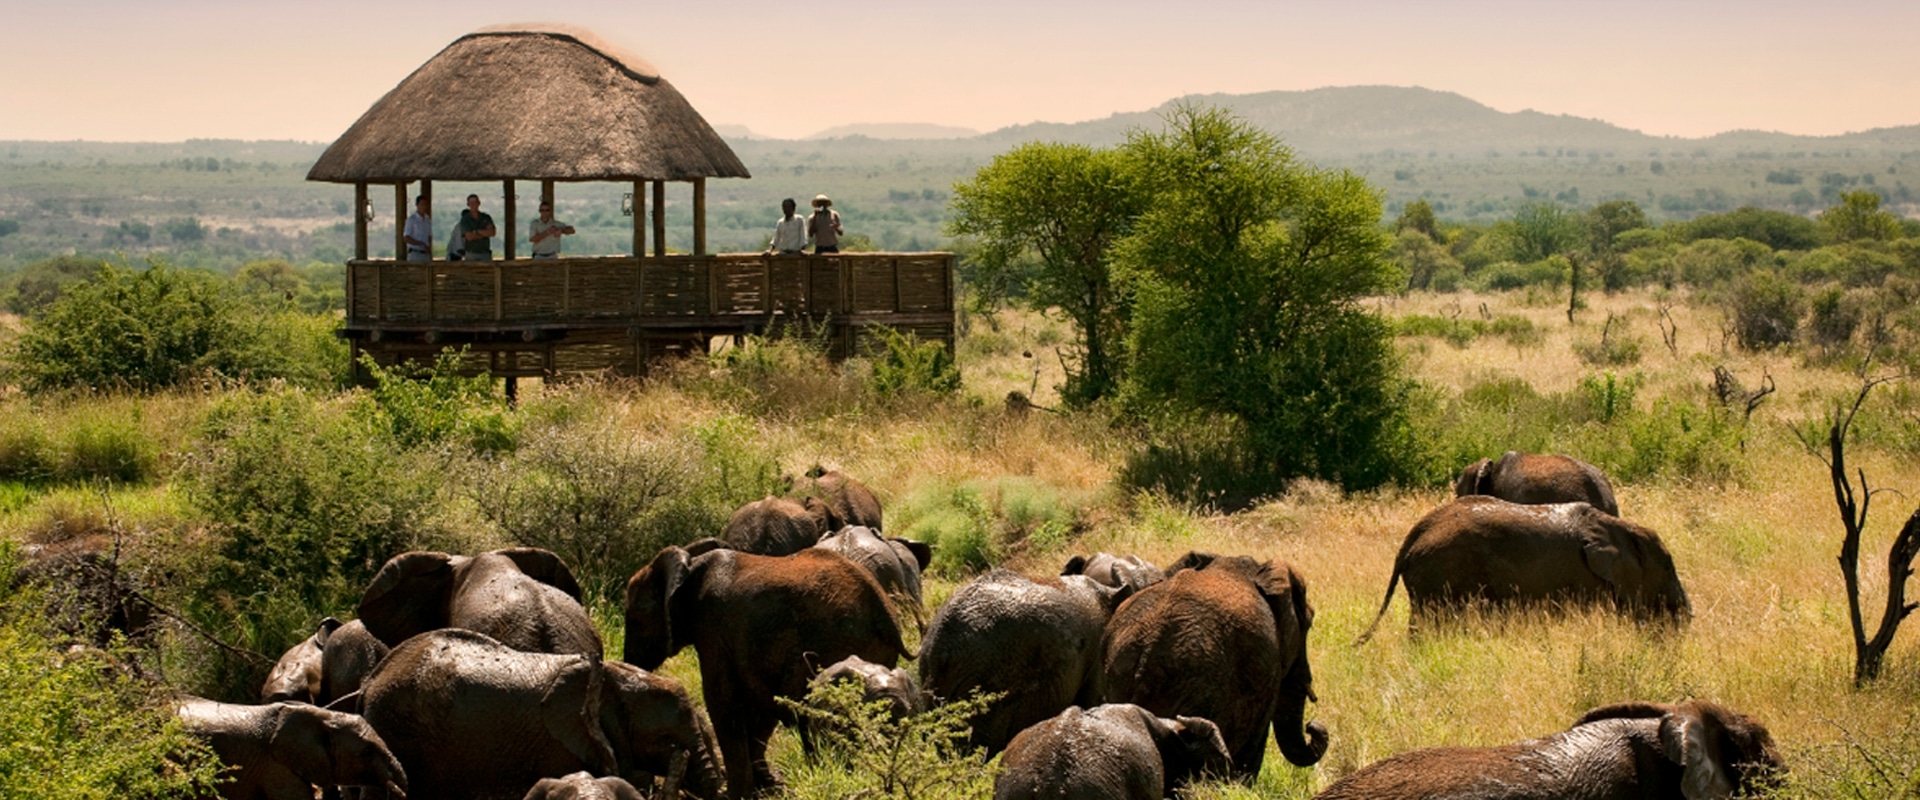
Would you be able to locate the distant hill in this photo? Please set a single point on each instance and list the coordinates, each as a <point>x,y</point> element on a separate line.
<point>736,132</point>
<point>896,130</point>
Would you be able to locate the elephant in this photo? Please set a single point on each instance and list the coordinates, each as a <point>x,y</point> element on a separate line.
<point>1224,638</point>
<point>1115,570</point>
<point>296,676</point>
<point>891,684</point>
<point>1036,642</point>
<point>470,717</point>
<point>1484,549</point>
<point>779,526</point>
<point>524,596</point>
<point>583,786</point>
<point>281,751</point>
<point>1110,752</point>
<point>1696,750</point>
<point>895,562</point>
<point>760,625</point>
<point>850,499</point>
<point>1537,479</point>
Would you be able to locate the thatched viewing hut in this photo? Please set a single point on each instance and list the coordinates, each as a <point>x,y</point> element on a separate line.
<point>555,105</point>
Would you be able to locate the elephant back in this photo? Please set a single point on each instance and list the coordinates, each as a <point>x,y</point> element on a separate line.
<point>777,526</point>
<point>1081,755</point>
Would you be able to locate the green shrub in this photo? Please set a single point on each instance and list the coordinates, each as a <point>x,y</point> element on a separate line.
<point>74,724</point>
<point>1613,348</point>
<point>1610,396</point>
<point>1833,317</point>
<point>26,448</point>
<point>1549,273</point>
<point>114,448</point>
<point>1714,262</point>
<point>1518,331</point>
<point>903,364</point>
<point>1457,332</point>
<point>956,521</point>
<point>1765,308</point>
<point>865,753</point>
<point>431,405</point>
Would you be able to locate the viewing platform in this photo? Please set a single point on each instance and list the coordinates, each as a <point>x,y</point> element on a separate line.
<point>614,314</point>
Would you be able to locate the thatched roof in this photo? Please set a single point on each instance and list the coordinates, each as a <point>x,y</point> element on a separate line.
<point>529,102</point>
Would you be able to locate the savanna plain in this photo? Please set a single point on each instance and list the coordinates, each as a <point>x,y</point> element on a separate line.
<point>331,483</point>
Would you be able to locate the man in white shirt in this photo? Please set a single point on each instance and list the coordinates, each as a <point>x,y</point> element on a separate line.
<point>419,231</point>
<point>546,231</point>
<point>790,233</point>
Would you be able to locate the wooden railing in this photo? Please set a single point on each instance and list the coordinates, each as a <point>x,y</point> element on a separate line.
<point>675,291</point>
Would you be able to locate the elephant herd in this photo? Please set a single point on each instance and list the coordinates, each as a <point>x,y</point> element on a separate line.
<point>483,676</point>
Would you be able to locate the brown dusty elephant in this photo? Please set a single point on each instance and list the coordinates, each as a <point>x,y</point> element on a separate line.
<point>850,499</point>
<point>282,751</point>
<point>1224,638</point>
<point>1487,550</point>
<point>1038,642</point>
<point>1115,570</point>
<point>470,717</point>
<point>326,666</point>
<point>761,626</point>
<point>779,526</point>
<point>1695,750</point>
<point>1535,479</point>
<point>583,786</point>
<point>895,562</point>
<point>524,596</point>
<point>1109,752</point>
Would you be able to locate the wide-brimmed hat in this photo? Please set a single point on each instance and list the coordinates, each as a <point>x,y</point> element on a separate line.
<point>821,200</point>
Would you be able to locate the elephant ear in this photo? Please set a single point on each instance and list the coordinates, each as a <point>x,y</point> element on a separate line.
<point>409,596</point>
<point>1076,565</point>
<point>1614,556</point>
<point>545,567</point>
<point>1471,478</point>
<point>570,711</point>
<point>1687,738</point>
<point>921,551</point>
<point>700,547</point>
<point>300,740</point>
<point>325,631</point>
<point>1194,559</point>
<point>1202,751</point>
<point>1286,595</point>
<point>830,519</point>
<point>649,608</point>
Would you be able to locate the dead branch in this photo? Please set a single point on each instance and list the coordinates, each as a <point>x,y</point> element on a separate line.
<point>1669,329</point>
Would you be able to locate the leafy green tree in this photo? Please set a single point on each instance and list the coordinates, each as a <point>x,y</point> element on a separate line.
<point>1046,217</point>
<point>1247,271</point>
<point>1422,260</point>
<point>1543,229</point>
<point>36,286</point>
<point>1418,217</point>
<point>1605,222</point>
<point>1858,218</point>
<point>146,329</point>
<point>1778,230</point>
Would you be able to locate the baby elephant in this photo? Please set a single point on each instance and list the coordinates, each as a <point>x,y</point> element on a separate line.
<point>283,750</point>
<point>583,786</point>
<point>1111,751</point>
<point>877,682</point>
<point>1696,750</point>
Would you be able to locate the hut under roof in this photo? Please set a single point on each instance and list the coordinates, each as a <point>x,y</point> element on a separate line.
<point>530,101</point>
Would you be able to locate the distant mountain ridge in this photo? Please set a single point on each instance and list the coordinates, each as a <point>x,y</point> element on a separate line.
<point>897,130</point>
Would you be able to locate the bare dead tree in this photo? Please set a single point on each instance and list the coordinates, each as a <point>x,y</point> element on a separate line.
<point>1669,329</point>
<point>1869,654</point>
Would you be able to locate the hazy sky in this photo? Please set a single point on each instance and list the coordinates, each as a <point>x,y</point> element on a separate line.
<point>153,70</point>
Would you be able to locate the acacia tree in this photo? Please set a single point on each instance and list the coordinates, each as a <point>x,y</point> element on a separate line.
<point>1045,217</point>
<point>1246,271</point>
<point>1858,218</point>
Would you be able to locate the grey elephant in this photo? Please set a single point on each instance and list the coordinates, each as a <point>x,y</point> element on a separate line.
<point>1114,570</point>
<point>1695,750</point>
<point>895,562</point>
<point>850,499</point>
<point>283,751</point>
<point>779,526</point>
<point>761,626</point>
<point>470,717</point>
<point>877,682</point>
<point>1487,550</point>
<point>1109,752</point>
<point>324,667</point>
<point>1037,642</point>
<point>1534,478</point>
<point>583,786</point>
<point>524,596</point>
<point>1224,638</point>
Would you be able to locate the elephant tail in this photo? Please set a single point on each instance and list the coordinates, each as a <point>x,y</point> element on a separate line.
<point>1392,583</point>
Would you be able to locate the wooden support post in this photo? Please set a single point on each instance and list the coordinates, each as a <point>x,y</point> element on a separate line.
<point>512,232</point>
<point>659,218</point>
<point>426,191</point>
<point>400,221</point>
<point>546,192</point>
<point>639,219</point>
<point>360,221</point>
<point>699,216</point>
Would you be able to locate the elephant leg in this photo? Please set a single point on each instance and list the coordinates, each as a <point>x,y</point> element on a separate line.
<point>1247,759</point>
<point>765,780</point>
<point>734,751</point>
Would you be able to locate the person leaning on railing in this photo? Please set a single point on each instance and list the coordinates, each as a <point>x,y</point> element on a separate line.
<point>789,233</point>
<point>546,231</point>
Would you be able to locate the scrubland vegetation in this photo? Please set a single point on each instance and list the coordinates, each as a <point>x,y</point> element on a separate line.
<point>199,428</point>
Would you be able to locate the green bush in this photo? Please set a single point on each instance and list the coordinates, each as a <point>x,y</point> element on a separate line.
<point>1765,309</point>
<point>1833,317</point>
<point>1549,273</point>
<point>957,521</point>
<point>866,753</point>
<point>74,724</point>
<point>1518,331</point>
<point>432,405</point>
<point>1457,332</point>
<point>905,365</point>
<point>26,449</point>
<point>114,448</point>
<point>1610,396</point>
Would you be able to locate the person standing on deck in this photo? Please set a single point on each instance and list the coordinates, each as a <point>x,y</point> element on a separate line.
<point>476,228</point>
<point>419,231</point>
<point>824,226</point>
<point>546,231</point>
<point>790,233</point>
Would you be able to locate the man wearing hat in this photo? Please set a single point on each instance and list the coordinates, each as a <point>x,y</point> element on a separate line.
<point>824,226</point>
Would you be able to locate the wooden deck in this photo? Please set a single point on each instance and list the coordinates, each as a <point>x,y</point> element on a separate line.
<point>615,314</point>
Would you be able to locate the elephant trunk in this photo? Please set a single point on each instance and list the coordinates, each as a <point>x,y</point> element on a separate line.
<point>1289,719</point>
<point>705,772</point>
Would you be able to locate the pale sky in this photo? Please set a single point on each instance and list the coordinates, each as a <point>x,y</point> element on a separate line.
<point>153,70</point>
